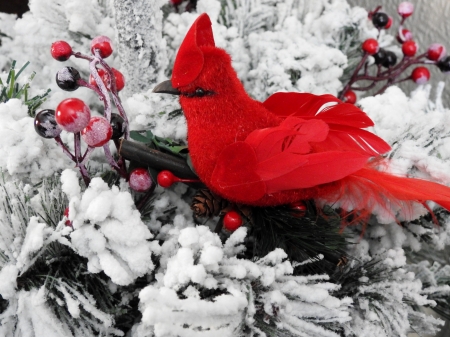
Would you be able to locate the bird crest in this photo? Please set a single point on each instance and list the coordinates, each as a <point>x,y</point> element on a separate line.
<point>189,61</point>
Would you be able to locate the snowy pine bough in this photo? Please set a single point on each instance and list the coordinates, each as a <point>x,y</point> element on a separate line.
<point>107,270</point>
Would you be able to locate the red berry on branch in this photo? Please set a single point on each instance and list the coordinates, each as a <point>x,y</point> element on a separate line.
<point>404,35</point>
<point>103,45</point>
<point>405,9</point>
<point>232,221</point>
<point>370,46</point>
<point>436,52</point>
<point>420,75</point>
<point>120,79</point>
<point>72,115</point>
<point>101,72</point>
<point>140,180</point>
<point>389,23</point>
<point>409,48</point>
<point>176,2</point>
<point>350,97</point>
<point>66,214</point>
<point>61,50</point>
<point>166,178</point>
<point>298,208</point>
<point>98,132</point>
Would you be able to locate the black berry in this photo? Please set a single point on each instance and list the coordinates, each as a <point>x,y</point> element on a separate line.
<point>118,126</point>
<point>45,124</point>
<point>380,20</point>
<point>444,64</point>
<point>380,56</point>
<point>67,79</point>
<point>389,60</point>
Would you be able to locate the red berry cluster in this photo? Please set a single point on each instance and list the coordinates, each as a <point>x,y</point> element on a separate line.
<point>74,116</point>
<point>386,69</point>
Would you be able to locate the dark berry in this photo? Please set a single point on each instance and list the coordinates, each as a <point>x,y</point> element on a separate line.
<point>389,60</point>
<point>61,50</point>
<point>380,56</point>
<point>73,115</point>
<point>67,79</point>
<point>444,64</point>
<point>380,20</point>
<point>420,75</point>
<point>45,124</point>
<point>370,46</point>
<point>232,221</point>
<point>349,97</point>
<point>140,180</point>
<point>103,45</point>
<point>98,132</point>
<point>118,126</point>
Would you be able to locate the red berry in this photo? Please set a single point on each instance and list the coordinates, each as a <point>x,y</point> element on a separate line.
<point>420,75</point>
<point>140,180</point>
<point>389,23</point>
<point>370,46</point>
<point>101,73</point>
<point>72,115</point>
<point>409,48</point>
<point>66,214</point>
<point>61,50</point>
<point>436,52</point>
<point>299,208</point>
<point>350,97</point>
<point>120,79</point>
<point>166,179</point>
<point>405,9</point>
<point>103,44</point>
<point>404,35</point>
<point>176,2</point>
<point>232,221</point>
<point>98,132</point>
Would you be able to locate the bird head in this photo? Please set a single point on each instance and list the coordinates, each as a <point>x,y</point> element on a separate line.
<point>201,69</point>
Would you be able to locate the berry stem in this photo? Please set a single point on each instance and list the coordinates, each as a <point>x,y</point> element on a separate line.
<point>113,163</point>
<point>102,87</point>
<point>78,159</point>
<point>354,76</point>
<point>64,148</point>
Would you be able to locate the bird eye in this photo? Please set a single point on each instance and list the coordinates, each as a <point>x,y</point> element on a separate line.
<point>199,92</point>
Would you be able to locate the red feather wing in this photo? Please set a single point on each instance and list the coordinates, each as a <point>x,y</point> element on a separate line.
<point>278,159</point>
<point>345,121</point>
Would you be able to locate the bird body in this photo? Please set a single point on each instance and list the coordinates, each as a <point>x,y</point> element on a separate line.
<point>293,146</point>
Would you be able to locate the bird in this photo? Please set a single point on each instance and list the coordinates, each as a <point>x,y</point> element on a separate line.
<point>291,147</point>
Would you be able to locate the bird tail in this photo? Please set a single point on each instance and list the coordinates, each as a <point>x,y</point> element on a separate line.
<point>390,197</point>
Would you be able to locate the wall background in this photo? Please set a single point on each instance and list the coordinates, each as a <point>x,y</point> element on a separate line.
<point>429,24</point>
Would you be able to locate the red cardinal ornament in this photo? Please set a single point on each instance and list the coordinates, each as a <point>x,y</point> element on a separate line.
<point>293,146</point>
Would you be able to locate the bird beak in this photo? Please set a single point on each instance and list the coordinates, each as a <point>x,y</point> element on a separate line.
<point>166,88</point>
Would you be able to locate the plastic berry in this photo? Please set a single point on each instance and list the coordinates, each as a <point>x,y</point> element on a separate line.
<point>380,19</point>
<point>140,180</point>
<point>444,64</point>
<point>166,179</point>
<point>118,76</point>
<point>436,52</point>
<point>370,46</point>
<point>409,48</point>
<point>101,73</point>
<point>72,115</point>
<point>298,208</point>
<point>67,79</point>
<point>420,75</point>
<point>389,60</point>
<point>405,9</point>
<point>176,2</point>
<point>66,214</point>
<point>61,50</point>
<point>232,221</point>
<point>404,35</point>
<point>117,125</point>
<point>350,97</point>
<point>103,45</point>
<point>98,132</point>
<point>45,124</point>
<point>389,23</point>
<point>380,56</point>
